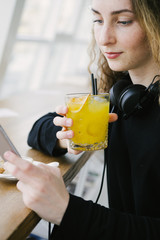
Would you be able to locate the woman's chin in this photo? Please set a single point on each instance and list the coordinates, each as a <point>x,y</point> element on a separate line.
<point>117,68</point>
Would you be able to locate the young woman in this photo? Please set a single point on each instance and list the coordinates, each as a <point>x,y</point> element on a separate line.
<point>127,35</point>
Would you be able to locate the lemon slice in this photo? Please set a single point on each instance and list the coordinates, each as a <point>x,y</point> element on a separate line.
<point>76,104</point>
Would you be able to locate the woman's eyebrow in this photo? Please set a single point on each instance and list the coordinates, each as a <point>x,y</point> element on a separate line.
<point>95,11</point>
<point>121,11</point>
<point>114,12</point>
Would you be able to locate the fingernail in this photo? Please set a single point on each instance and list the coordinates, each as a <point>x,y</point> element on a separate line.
<point>7,154</point>
<point>64,109</point>
<point>69,134</point>
<point>68,122</point>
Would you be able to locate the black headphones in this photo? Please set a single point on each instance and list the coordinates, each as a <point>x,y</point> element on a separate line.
<point>131,98</point>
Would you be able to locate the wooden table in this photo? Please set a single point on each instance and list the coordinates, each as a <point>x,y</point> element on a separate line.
<point>17,221</point>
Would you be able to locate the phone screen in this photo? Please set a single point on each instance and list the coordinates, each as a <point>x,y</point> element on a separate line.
<point>6,144</point>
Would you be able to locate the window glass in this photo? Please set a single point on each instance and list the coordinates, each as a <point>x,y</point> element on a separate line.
<point>50,47</point>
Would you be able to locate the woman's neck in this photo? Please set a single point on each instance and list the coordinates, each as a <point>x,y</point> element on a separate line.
<point>144,75</point>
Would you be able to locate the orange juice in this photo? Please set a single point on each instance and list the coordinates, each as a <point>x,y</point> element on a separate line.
<point>90,115</point>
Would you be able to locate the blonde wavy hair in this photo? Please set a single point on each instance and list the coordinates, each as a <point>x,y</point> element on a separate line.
<point>148,15</point>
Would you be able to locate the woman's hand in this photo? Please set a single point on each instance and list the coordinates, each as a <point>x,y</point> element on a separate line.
<point>42,187</point>
<point>64,135</point>
<point>65,122</point>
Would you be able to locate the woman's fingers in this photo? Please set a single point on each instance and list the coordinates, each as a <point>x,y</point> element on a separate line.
<point>24,174</point>
<point>17,161</point>
<point>64,134</point>
<point>63,121</point>
<point>61,110</point>
<point>68,122</point>
<point>20,168</point>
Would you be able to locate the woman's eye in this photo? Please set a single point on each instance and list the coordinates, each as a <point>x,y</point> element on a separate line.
<point>125,22</point>
<point>97,21</point>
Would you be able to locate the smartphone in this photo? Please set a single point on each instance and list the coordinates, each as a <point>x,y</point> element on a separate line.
<point>6,144</point>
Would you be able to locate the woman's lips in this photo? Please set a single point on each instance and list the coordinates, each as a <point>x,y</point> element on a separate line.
<point>112,55</point>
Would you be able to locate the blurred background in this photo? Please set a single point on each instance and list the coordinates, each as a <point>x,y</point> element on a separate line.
<point>43,45</point>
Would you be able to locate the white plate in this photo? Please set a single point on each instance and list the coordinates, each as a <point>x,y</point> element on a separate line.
<point>5,176</point>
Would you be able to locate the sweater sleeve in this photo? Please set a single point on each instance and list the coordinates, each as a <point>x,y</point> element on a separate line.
<point>87,220</point>
<point>42,136</point>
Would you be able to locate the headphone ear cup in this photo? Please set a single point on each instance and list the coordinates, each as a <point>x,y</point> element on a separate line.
<point>116,91</point>
<point>130,98</point>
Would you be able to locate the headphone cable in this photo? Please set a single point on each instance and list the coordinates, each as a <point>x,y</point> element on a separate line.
<point>102,180</point>
<point>105,161</point>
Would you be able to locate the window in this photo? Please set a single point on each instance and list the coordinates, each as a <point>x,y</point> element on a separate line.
<point>50,47</point>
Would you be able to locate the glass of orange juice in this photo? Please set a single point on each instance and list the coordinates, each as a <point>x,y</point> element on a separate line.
<point>90,114</point>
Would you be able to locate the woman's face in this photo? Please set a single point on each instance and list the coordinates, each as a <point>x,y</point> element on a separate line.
<point>119,35</point>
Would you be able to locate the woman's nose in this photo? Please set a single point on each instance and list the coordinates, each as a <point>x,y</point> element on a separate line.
<point>107,36</point>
